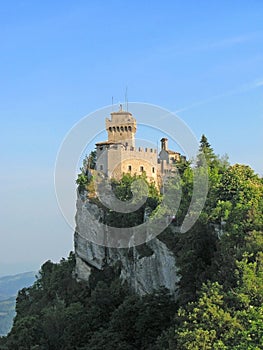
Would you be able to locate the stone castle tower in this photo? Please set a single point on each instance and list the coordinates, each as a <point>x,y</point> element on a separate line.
<point>119,153</point>
<point>121,128</point>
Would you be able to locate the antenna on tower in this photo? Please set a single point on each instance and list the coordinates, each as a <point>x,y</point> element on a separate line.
<point>126,98</point>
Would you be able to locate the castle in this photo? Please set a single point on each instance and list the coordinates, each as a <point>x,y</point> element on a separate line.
<point>144,262</point>
<point>119,154</point>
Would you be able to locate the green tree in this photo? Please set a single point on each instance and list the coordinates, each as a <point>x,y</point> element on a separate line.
<point>240,208</point>
<point>205,324</point>
<point>123,190</point>
<point>82,181</point>
<point>247,301</point>
<point>25,333</point>
<point>207,151</point>
<point>91,161</point>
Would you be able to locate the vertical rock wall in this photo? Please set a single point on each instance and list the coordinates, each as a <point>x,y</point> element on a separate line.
<point>146,268</point>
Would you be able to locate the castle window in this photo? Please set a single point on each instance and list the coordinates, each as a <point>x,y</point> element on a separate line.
<point>122,129</point>
<point>153,170</point>
<point>126,129</point>
<point>110,129</point>
<point>101,167</point>
<point>129,167</point>
<point>129,128</point>
<point>114,129</point>
<point>118,128</point>
<point>141,168</point>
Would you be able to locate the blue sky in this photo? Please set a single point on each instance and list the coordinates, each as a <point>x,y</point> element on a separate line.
<point>61,60</point>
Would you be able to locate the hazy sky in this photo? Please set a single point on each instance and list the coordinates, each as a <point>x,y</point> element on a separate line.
<point>61,60</point>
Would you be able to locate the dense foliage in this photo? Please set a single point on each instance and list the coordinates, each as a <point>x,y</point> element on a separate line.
<point>59,313</point>
<point>220,261</point>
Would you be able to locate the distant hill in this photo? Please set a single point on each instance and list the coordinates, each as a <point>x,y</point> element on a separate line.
<point>7,314</point>
<point>9,287</point>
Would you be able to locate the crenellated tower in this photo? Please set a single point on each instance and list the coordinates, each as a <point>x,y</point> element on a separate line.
<point>121,128</point>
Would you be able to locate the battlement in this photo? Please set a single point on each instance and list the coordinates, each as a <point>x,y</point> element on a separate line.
<point>147,150</point>
<point>102,146</point>
<point>121,127</point>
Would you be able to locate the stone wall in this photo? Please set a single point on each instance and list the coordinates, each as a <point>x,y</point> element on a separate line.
<point>115,159</point>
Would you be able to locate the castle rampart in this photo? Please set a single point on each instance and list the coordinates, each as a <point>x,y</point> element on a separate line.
<point>119,155</point>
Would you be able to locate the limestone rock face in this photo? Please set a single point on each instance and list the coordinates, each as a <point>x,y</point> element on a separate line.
<point>146,268</point>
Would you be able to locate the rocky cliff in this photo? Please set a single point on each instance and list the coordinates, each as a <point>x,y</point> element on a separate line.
<point>146,267</point>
